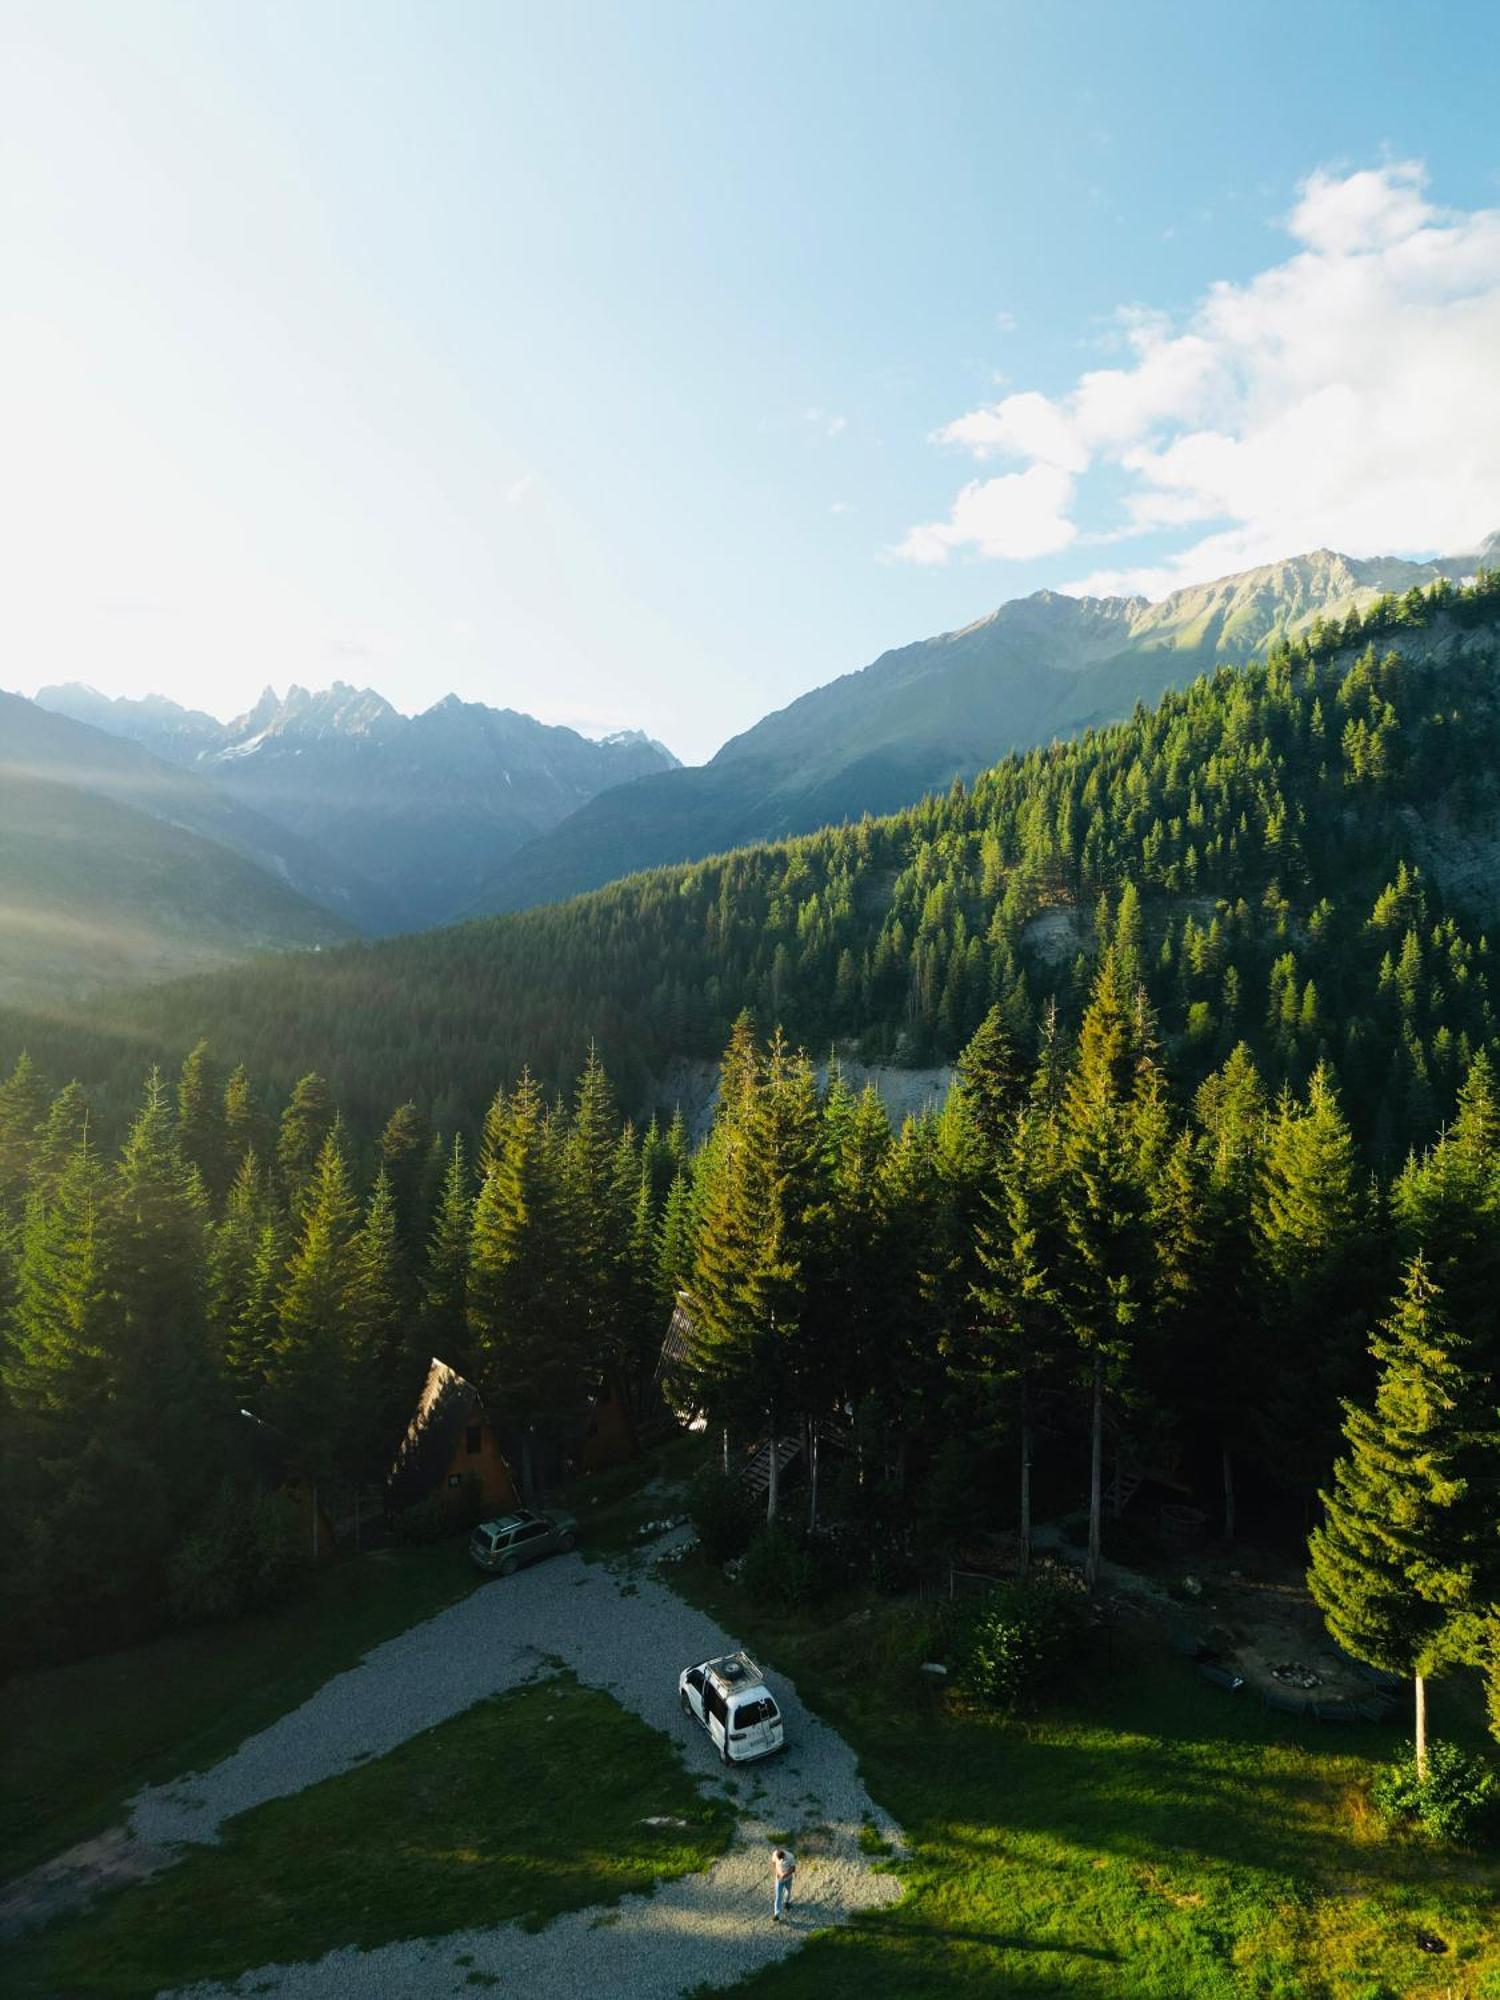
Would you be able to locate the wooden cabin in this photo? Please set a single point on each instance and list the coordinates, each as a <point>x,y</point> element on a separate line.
<point>670,1380</point>
<point>450,1451</point>
<point>609,1436</point>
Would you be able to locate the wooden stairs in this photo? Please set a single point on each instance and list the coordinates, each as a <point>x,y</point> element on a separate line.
<point>756,1474</point>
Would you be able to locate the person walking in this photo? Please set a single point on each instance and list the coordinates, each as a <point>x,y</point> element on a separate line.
<point>783,1868</point>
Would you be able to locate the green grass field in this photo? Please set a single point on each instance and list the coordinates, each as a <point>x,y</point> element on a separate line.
<point>79,1739</point>
<point>1149,1837</point>
<point>1146,1836</point>
<point>525,1806</point>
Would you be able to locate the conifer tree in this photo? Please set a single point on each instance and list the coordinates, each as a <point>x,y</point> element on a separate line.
<point>1019,1328</point>
<point>1402,1566</point>
<point>1313,1248</point>
<point>406,1158</point>
<point>246,1128</point>
<point>200,1119</point>
<point>519,1295</point>
<point>597,1206</point>
<point>1105,1209</point>
<point>61,1134</point>
<point>305,1127</point>
<point>23,1106</point>
<point>444,1319</point>
<point>992,1081</point>
<point>310,1394</point>
<point>386,1377</point>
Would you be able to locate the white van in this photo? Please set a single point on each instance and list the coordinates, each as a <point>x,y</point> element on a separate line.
<point>730,1698</point>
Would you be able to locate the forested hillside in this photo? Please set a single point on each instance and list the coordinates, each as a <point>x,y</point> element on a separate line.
<point>1300,849</point>
<point>94,894</point>
<point>1039,667</point>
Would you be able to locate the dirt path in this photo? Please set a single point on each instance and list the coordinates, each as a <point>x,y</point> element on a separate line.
<point>628,1635</point>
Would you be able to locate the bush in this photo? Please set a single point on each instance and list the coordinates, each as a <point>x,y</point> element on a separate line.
<point>779,1572</point>
<point>1460,1799</point>
<point>721,1514</point>
<point>244,1555</point>
<point>440,1515</point>
<point>1020,1640</point>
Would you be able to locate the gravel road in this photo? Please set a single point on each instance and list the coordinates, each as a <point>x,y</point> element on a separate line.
<point>630,1636</point>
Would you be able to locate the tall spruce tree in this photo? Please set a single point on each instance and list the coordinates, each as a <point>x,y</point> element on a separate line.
<point>305,1126</point>
<point>311,1393</point>
<point>519,1293</point>
<point>1105,1209</point>
<point>200,1119</point>
<point>443,1320</point>
<point>1403,1566</point>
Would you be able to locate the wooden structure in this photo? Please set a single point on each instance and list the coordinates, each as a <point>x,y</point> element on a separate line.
<point>609,1432</point>
<point>450,1450</point>
<point>669,1382</point>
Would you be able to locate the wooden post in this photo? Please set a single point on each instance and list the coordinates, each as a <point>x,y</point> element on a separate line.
<point>1420,1690</point>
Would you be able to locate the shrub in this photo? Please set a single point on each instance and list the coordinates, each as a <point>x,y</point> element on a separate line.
<point>1459,1800</point>
<point>440,1514</point>
<point>721,1514</point>
<point>778,1571</point>
<point>1019,1641</point>
<point>245,1554</point>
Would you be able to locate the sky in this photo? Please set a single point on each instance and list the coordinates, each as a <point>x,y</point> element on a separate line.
<point>645,364</point>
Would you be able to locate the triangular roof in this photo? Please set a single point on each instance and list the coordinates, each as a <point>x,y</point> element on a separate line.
<point>447,1404</point>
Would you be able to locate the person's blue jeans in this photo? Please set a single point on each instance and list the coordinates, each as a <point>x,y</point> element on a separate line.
<point>783,1894</point>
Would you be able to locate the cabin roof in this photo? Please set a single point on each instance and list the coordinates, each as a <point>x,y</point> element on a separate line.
<point>447,1405</point>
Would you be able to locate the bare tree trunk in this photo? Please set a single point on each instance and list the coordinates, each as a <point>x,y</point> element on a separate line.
<point>1025,1477</point>
<point>724,1435</point>
<point>773,1480</point>
<point>1420,1686</point>
<point>1096,1477</point>
<point>1228,1494</point>
<point>812,1476</point>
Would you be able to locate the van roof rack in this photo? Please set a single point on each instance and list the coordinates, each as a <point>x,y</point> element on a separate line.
<point>734,1671</point>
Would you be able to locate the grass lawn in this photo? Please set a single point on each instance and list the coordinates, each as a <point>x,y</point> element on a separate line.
<point>79,1739</point>
<point>1151,1837</point>
<point>525,1806</point>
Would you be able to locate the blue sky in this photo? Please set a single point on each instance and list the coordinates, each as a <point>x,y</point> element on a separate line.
<point>649,364</point>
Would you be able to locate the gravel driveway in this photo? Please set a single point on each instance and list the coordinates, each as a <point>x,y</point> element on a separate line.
<point>630,1636</point>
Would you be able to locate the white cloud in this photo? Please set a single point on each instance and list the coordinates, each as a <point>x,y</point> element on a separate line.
<point>827,422</point>
<point>1016,515</point>
<point>1348,396</point>
<point>518,489</point>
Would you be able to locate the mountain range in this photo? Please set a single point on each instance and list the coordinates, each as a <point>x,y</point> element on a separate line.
<point>1039,667</point>
<point>319,814</point>
<point>410,815</point>
<point>116,866</point>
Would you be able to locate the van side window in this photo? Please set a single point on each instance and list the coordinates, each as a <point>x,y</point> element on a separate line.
<point>716,1705</point>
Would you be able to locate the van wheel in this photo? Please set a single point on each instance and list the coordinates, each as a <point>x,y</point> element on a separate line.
<point>723,1753</point>
<point>687,1706</point>
<point>568,1543</point>
<point>509,1566</point>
